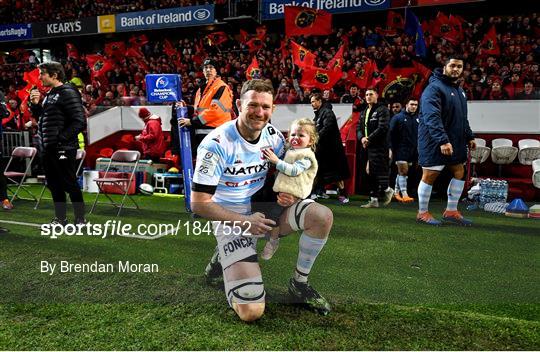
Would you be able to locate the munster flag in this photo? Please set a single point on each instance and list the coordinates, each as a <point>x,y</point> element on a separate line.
<point>244,36</point>
<point>72,52</point>
<point>394,20</point>
<point>32,79</point>
<point>314,77</point>
<point>261,32</point>
<point>337,61</point>
<point>400,83</point>
<point>217,38</point>
<point>254,45</point>
<point>138,40</point>
<point>457,24</point>
<point>367,76</point>
<point>253,71</point>
<point>444,28</point>
<point>489,45</point>
<point>99,65</point>
<point>115,50</point>
<point>306,21</point>
<point>134,51</point>
<point>301,56</point>
<point>169,49</point>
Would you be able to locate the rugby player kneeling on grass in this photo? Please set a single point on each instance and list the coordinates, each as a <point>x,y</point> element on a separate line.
<point>230,169</point>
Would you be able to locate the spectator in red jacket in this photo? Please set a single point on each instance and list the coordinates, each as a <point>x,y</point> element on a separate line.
<point>151,137</point>
<point>495,92</point>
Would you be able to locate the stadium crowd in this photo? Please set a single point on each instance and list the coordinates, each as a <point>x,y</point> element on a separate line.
<point>513,74</point>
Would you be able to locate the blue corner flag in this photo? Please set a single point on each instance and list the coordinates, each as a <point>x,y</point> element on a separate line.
<point>413,27</point>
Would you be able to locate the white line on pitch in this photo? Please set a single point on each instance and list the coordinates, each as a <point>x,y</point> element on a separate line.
<point>20,223</point>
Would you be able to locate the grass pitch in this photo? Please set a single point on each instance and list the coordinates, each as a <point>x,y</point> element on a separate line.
<point>393,284</point>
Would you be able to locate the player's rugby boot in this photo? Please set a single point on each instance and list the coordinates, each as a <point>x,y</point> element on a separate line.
<point>303,293</point>
<point>6,204</point>
<point>59,222</point>
<point>214,272</point>
<point>407,199</point>
<point>455,217</point>
<point>428,219</point>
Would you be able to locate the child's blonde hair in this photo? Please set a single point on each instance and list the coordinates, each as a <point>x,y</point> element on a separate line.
<point>310,128</point>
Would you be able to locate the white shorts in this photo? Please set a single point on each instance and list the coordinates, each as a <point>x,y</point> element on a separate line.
<point>233,243</point>
<point>434,168</point>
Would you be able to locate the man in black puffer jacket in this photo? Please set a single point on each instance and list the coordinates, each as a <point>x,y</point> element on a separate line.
<point>372,133</point>
<point>61,119</point>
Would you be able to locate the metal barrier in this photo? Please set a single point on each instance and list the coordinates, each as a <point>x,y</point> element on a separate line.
<point>12,140</point>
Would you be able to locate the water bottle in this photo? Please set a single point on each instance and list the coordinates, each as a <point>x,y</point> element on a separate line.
<point>483,186</point>
<point>492,191</point>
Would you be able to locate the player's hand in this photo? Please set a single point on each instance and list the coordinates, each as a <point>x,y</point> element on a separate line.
<point>446,149</point>
<point>184,122</point>
<point>259,224</point>
<point>472,144</point>
<point>286,199</point>
<point>365,142</point>
<point>35,95</point>
<point>137,137</point>
<point>270,155</point>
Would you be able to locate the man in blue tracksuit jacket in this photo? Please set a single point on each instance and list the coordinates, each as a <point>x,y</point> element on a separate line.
<point>403,133</point>
<point>443,136</point>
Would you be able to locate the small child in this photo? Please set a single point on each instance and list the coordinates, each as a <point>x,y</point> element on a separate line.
<point>297,170</point>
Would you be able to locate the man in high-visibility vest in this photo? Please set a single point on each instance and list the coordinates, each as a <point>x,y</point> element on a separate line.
<point>212,106</point>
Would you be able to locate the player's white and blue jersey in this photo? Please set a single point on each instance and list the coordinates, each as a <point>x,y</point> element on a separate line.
<point>231,168</point>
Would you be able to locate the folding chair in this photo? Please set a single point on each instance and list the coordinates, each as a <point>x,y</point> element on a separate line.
<point>529,150</point>
<point>480,154</point>
<point>503,153</point>
<point>121,184</point>
<point>536,173</point>
<point>27,154</point>
<point>81,154</point>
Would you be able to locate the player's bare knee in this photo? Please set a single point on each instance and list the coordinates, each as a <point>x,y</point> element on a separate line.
<point>429,177</point>
<point>320,219</point>
<point>250,311</point>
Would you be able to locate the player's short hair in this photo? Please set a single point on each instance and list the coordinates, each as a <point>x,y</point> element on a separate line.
<point>373,89</point>
<point>317,96</point>
<point>53,67</point>
<point>453,57</point>
<point>310,128</point>
<point>258,85</point>
<point>411,98</point>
